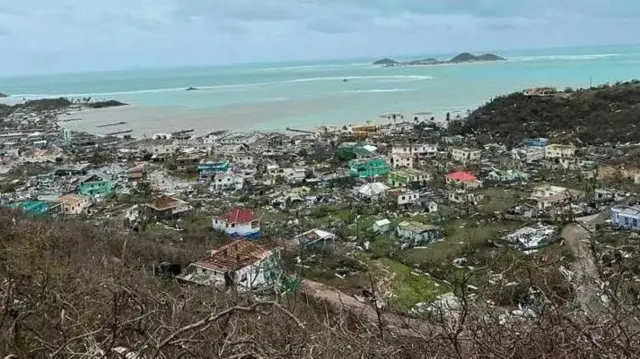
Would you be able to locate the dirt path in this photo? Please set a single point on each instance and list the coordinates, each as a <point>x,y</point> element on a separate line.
<point>586,280</point>
<point>342,301</point>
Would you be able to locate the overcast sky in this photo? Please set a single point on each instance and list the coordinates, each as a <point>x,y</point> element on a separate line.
<point>41,36</point>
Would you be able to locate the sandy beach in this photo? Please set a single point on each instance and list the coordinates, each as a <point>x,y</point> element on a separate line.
<point>144,121</point>
<point>148,121</point>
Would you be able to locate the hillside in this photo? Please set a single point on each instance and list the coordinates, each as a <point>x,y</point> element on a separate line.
<point>607,114</point>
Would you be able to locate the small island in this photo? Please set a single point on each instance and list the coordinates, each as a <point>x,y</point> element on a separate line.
<point>461,58</point>
<point>2,95</point>
<point>192,89</point>
<point>105,104</point>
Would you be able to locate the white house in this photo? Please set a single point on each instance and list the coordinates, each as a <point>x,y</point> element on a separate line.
<point>465,155</point>
<point>73,204</point>
<point>381,226</point>
<point>528,154</point>
<point>239,222</point>
<point>403,196</point>
<point>228,180</point>
<point>372,190</point>
<point>294,175</point>
<point>241,263</point>
<point>461,196</point>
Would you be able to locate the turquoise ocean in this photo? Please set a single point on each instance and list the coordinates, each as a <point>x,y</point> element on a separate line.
<point>307,94</point>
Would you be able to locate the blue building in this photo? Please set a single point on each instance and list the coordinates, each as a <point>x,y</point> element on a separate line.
<point>32,207</point>
<point>535,142</point>
<point>207,170</point>
<point>627,217</point>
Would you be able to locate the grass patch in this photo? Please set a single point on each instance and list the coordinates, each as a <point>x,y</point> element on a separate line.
<point>461,239</point>
<point>500,199</point>
<point>409,287</point>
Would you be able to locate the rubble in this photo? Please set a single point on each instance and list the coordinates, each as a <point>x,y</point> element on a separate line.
<point>403,194</point>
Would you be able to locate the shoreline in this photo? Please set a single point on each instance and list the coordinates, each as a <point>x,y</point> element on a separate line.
<point>146,121</point>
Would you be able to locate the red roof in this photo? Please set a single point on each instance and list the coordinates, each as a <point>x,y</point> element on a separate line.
<point>461,176</point>
<point>238,216</point>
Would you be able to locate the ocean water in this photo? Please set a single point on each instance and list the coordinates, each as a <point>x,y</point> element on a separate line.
<point>273,96</point>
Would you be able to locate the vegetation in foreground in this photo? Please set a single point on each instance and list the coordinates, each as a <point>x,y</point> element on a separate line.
<point>70,290</point>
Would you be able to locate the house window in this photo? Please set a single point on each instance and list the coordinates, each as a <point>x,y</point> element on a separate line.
<point>402,198</point>
<point>233,225</point>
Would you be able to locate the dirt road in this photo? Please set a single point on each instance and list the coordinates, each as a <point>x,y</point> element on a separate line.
<point>342,301</point>
<point>586,281</point>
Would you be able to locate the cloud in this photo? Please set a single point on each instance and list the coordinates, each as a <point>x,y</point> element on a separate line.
<point>78,35</point>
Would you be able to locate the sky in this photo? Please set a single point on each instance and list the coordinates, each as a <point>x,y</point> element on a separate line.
<point>46,36</point>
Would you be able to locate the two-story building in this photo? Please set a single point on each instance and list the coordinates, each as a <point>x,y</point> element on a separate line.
<point>208,170</point>
<point>465,155</point>
<point>228,180</point>
<point>167,207</point>
<point>368,167</point>
<point>408,155</point>
<point>408,177</point>
<point>96,186</point>
<point>555,151</point>
<point>73,204</point>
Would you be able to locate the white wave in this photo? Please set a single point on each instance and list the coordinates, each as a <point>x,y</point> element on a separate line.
<point>311,68</point>
<point>268,99</point>
<point>237,87</point>
<point>373,77</point>
<point>562,57</point>
<point>376,91</point>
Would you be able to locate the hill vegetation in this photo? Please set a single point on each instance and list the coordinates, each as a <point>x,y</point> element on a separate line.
<point>606,114</point>
<point>105,104</point>
<point>461,58</point>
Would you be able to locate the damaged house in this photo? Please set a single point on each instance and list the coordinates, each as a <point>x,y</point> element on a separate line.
<point>241,264</point>
<point>547,196</point>
<point>531,237</point>
<point>313,239</point>
<point>167,208</point>
<point>411,234</point>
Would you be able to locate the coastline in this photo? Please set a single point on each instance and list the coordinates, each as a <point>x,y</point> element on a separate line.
<point>145,121</point>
